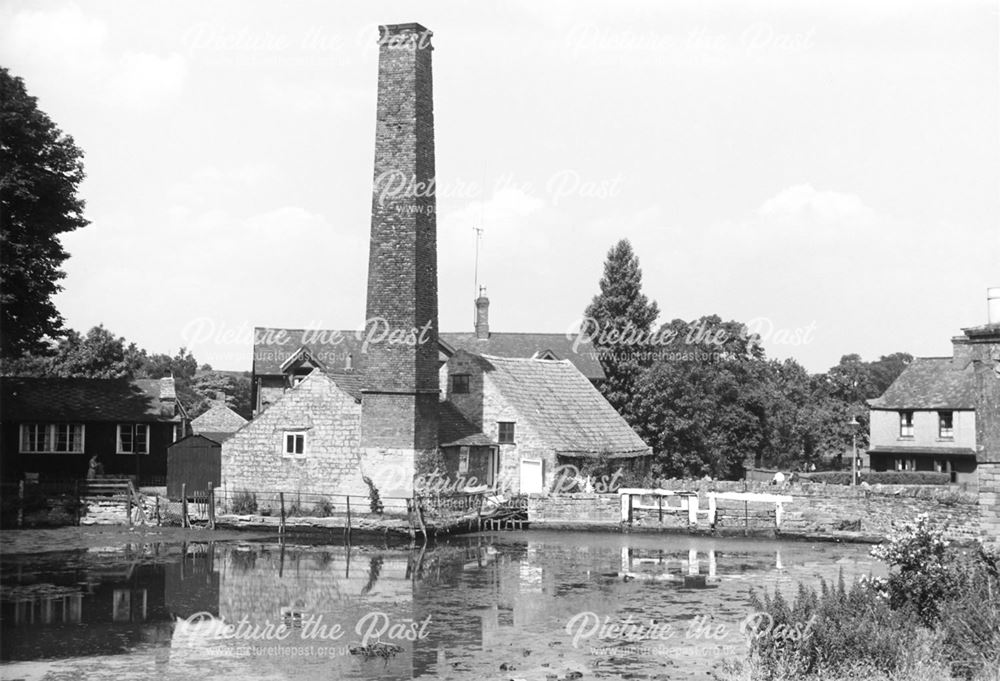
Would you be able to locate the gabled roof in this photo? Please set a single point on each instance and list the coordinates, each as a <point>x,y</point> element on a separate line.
<point>351,383</point>
<point>88,399</point>
<point>299,357</point>
<point>218,419</point>
<point>273,347</point>
<point>564,407</point>
<point>454,430</point>
<point>530,345</point>
<point>930,383</point>
<point>205,437</point>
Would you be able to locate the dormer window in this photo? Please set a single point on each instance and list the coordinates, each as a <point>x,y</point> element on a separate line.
<point>906,424</point>
<point>946,429</point>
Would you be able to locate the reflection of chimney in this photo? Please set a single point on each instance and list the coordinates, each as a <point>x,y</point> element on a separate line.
<point>349,363</point>
<point>482,315</point>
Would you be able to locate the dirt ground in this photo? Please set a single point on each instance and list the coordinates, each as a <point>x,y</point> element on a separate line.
<point>91,536</point>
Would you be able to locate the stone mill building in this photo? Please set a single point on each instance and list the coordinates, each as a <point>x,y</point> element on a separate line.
<point>397,409</point>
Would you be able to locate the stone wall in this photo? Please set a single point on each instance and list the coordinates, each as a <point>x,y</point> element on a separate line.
<point>254,459</point>
<point>816,509</point>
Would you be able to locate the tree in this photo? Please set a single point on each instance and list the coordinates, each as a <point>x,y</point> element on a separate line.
<point>699,405</point>
<point>40,172</point>
<point>622,318</point>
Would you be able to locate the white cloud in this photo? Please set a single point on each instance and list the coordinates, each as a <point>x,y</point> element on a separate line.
<point>56,35</point>
<point>144,81</point>
<point>67,42</point>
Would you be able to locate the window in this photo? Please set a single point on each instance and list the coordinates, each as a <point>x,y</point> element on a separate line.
<point>52,438</point>
<point>133,438</point>
<point>506,433</point>
<point>906,424</point>
<point>463,460</point>
<point>295,444</point>
<point>460,384</point>
<point>946,430</point>
<point>906,464</point>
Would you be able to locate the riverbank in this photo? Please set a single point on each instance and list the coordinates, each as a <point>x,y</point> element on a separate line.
<point>34,540</point>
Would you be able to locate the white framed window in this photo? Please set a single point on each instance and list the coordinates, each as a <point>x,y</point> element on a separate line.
<point>52,438</point>
<point>463,460</point>
<point>133,438</point>
<point>294,443</point>
<point>946,425</point>
<point>906,424</point>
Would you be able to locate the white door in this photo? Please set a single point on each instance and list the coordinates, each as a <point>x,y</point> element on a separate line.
<point>531,476</point>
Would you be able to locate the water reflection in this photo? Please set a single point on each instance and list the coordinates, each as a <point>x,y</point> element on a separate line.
<point>454,610</point>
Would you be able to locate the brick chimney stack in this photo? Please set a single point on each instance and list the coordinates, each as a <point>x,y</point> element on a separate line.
<point>399,405</point>
<point>482,315</point>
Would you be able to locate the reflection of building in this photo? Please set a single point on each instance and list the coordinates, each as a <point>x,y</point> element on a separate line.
<point>317,591</point>
<point>108,606</point>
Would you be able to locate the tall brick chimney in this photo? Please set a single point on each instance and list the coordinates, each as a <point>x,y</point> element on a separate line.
<point>399,407</point>
<point>482,315</point>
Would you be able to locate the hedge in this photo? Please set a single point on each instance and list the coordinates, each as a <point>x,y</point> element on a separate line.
<point>880,477</point>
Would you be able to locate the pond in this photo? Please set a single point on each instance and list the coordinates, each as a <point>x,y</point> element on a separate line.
<point>531,605</point>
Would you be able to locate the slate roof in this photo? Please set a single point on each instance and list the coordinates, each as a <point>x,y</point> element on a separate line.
<point>351,383</point>
<point>930,383</point>
<point>218,419</point>
<point>84,399</point>
<point>456,430</point>
<point>273,346</point>
<point>527,345</point>
<point>564,407</point>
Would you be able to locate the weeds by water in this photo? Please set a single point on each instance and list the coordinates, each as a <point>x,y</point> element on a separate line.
<point>936,617</point>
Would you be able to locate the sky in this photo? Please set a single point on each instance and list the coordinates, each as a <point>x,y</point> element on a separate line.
<point>825,172</point>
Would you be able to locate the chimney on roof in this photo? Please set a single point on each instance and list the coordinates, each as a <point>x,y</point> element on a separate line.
<point>168,397</point>
<point>482,315</point>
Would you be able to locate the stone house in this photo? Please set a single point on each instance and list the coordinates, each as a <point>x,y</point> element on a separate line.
<point>541,417</point>
<point>943,413</point>
<point>51,427</point>
<point>309,441</point>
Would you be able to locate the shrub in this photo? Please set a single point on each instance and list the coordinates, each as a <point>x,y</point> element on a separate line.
<point>879,477</point>
<point>322,509</point>
<point>922,578</point>
<point>244,503</point>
